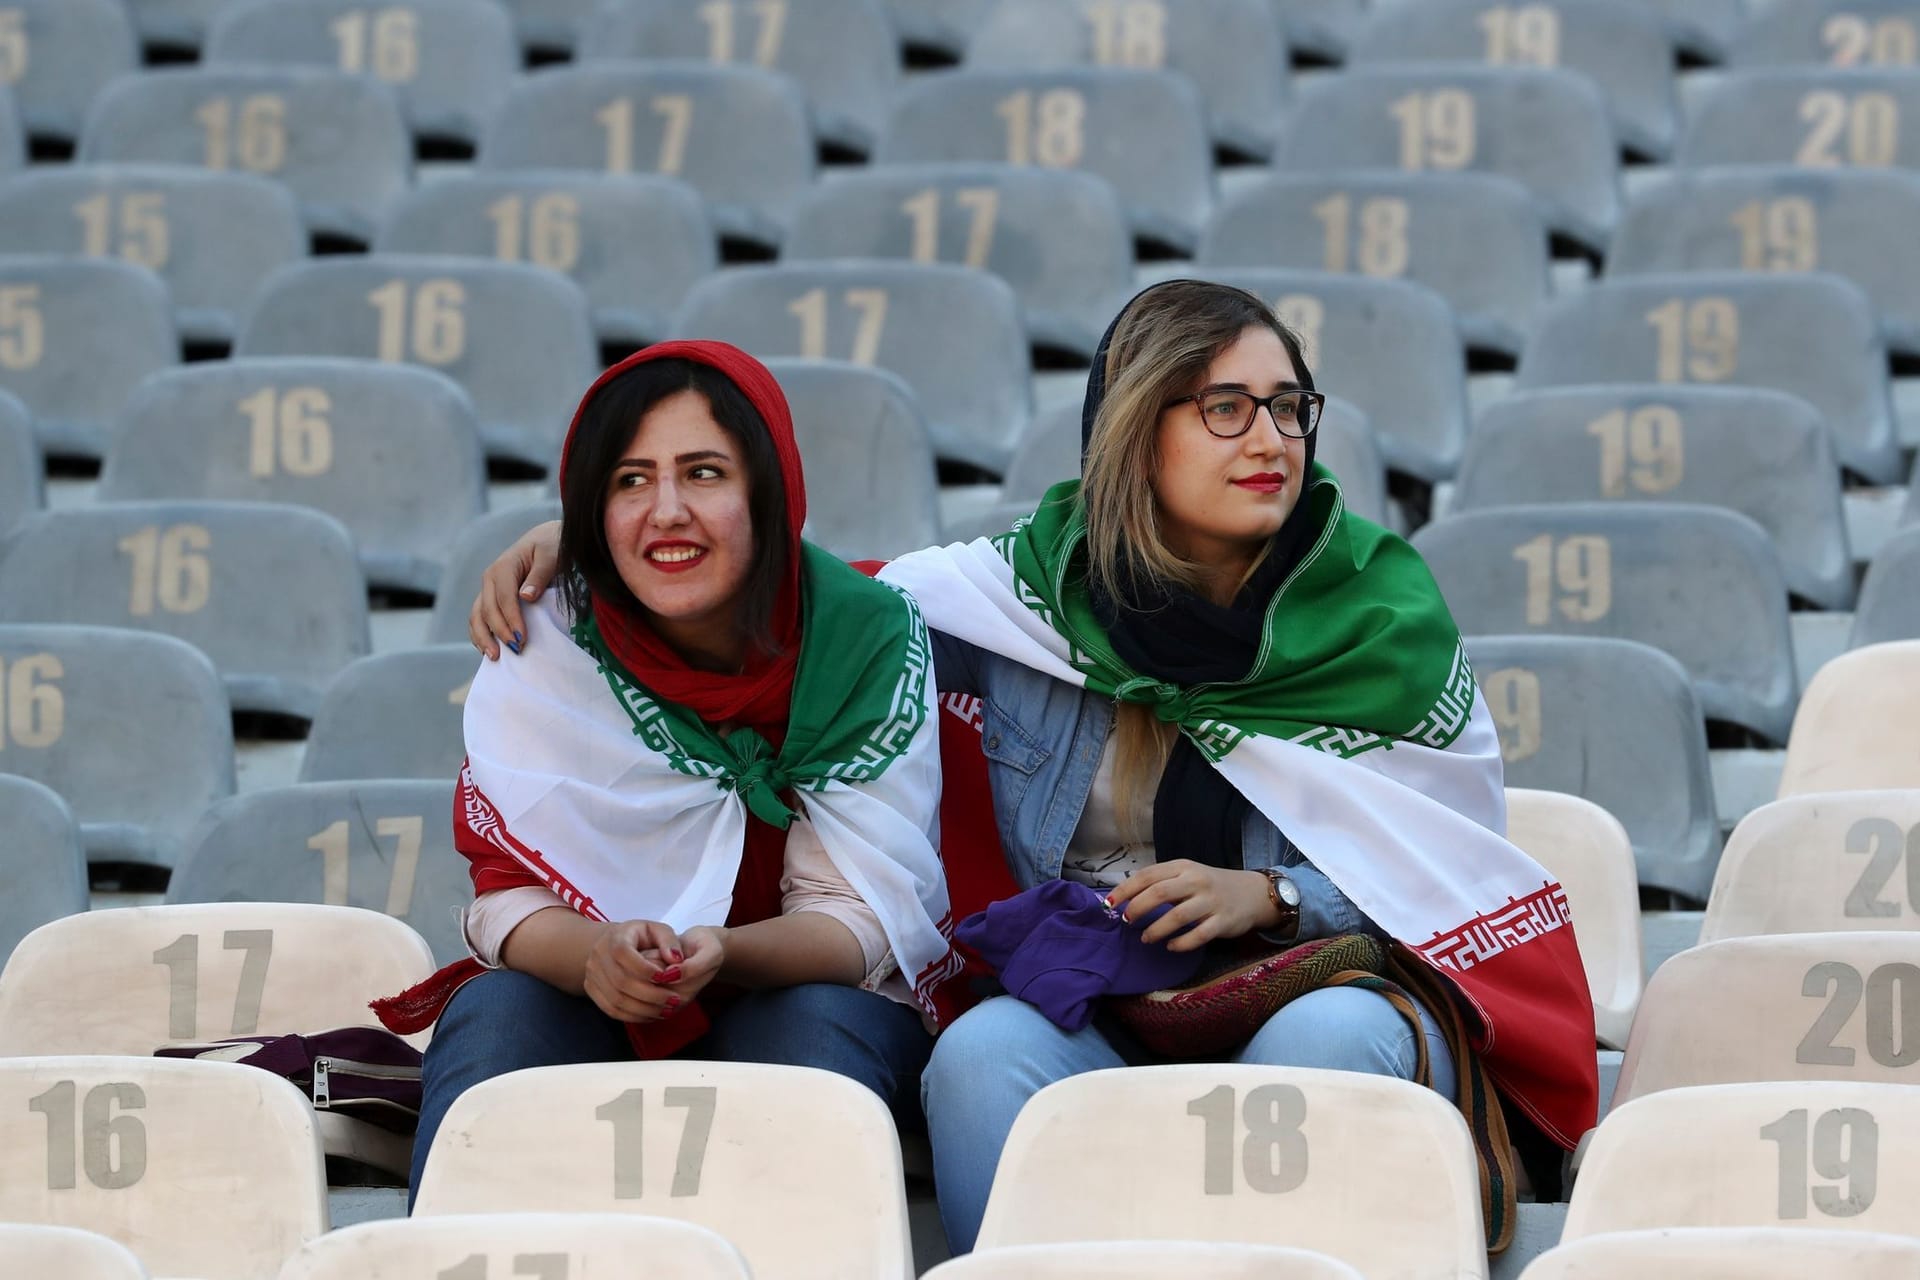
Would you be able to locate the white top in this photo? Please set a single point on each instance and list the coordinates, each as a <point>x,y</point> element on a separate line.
<point>1098,854</point>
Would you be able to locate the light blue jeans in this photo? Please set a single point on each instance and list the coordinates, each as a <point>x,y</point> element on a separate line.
<point>1002,1052</point>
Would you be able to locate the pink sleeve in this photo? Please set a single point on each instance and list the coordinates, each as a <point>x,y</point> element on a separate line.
<point>498,913</point>
<point>813,883</point>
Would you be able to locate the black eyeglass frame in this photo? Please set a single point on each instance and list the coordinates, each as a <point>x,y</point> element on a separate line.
<point>1316,399</point>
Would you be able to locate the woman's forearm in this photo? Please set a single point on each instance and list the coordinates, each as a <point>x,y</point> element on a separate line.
<point>807,946</point>
<point>552,945</point>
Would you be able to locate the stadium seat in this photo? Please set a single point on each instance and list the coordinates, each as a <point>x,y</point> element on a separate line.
<point>844,54</point>
<point>1787,1007</point>
<point>272,594</point>
<point>1475,239</point>
<point>1856,730</point>
<point>393,715</point>
<point>1547,130</point>
<point>1626,50</point>
<point>1050,453</point>
<point>1144,1260</point>
<point>1322,29</point>
<point>738,135</point>
<point>516,337</point>
<point>1813,117</point>
<point>204,1169</point>
<point>1889,607</point>
<point>350,438</point>
<point>13,136</point>
<point>1586,849</point>
<point>634,243</point>
<point>1824,863</point>
<point>1233,51</point>
<point>384,846</point>
<point>45,868</point>
<point>66,1252</point>
<point>549,27</point>
<point>131,729</point>
<point>1313,1138</point>
<point>448,61</point>
<point>872,489</point>
<point>336,140</point>
<point>21,489</point>
<point>177,25</point>
<point>76,336</point>
<point>1390,347</point>
<point>1616,723</point>
<point>1813,336</point>
<point>1730,1253</point>
<point>211,237</point>
<point>1059,237</point>
<point>1810,1155</point>
<point>541,1245</point>
<point>1832,33</point>
<point>1762,453</point>
<point>1782,218</point>
<point>799,1168</point>
<point>1143,131</point>
<point>1702,28</point>
<point>479,545</point>
<point>57,54</point>
<point>1703,584</point>
<point>953,334</point>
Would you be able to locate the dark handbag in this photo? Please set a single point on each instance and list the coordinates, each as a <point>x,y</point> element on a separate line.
<point>1237,991</point>
<point>363,1073</point>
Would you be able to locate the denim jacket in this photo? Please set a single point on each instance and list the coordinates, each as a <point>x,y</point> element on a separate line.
<point>1043,740</point>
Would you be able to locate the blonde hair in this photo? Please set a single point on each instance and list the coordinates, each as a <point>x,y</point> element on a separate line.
<point>1160,348</point>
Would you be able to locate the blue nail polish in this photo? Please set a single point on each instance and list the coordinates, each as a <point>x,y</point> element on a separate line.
<point>513,646</point>
<point>517,641</point>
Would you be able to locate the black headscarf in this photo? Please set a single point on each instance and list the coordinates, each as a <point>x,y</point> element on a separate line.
<point>1177,635</point>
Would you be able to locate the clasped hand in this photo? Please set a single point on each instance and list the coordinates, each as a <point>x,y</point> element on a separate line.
<point>1210,903</point>
<point>641,971</point>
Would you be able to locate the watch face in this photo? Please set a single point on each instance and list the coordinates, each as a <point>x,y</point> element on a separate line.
<point>1289,891</point>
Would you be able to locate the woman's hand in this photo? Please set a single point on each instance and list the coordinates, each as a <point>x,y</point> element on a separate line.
<point>704,949</point>
<point>631,968</point>
<point>522,572</point>
<point>1218,903</point>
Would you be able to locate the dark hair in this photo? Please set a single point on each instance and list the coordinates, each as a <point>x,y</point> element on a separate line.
<point>606,427</point>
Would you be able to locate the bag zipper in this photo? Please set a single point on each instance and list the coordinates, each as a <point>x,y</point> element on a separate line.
<point>324,1067</point>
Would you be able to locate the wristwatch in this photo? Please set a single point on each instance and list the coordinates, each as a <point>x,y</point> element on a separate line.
<point>1285,896</point>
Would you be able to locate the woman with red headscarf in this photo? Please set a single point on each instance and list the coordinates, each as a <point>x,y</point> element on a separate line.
<point>700,804</point>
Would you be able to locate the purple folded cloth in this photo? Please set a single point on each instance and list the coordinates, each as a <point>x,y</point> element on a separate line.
<point>1059,947</point>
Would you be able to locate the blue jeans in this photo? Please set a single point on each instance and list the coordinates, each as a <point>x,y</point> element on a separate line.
<point>1002,1052</point>
<point>504,1021</point>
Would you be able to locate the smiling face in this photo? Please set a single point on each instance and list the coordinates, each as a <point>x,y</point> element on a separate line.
<point>679,529</point>
<point>1220,501</point>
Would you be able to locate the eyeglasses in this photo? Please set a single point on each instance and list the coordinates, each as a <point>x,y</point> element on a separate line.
<point>1229,414</point>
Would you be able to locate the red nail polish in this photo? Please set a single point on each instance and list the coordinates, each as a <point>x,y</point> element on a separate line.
<point>667,977</point>
<point>677,957</point>
<point>673,1002</point>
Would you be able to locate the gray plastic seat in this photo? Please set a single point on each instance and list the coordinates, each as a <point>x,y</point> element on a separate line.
<point>393,715</point>
<point>1889,606</point>
<point>550,27</point>
<point>952,334</point>
<point>1814,117</point>
<point>177,24</point>
<point>478,546</point>
<point>353,439</point>
<point>1143,131</point>
<point>1048,454</point>
<point>336,140</point>
<point>13,136</point>
<point>1700,583</point>
<point>1762,453</point>
<point>449,61</point>
<point>211,237</point>
<point>1547,130</point>
<point>1813,336</point>
<point>1703,28</point>
<point>1325,29</point>
<point>1390,347</point>
<point>1475,239</point>
<point>844,54</point>
<point>57,54</point>
<point>738,135</point>
<point>76,336</point>
<point>131,729</point>
<point>1617,723</point>
<point>1851,222</point>
<point>517,338</point>
<point>1233,51</point>
<point>271,594</point>
<point>1626,50</point>
<point>382,846</point>
<point>1834,33</point>
<point>40,858</point>
<point>872,492</point>
<point>1058,237</point>
<point>634,243</point>
<point>21,489</point>
<point>943,26</point>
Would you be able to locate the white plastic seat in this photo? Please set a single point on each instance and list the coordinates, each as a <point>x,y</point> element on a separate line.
<point>1311,1140</point>
<point>1821,863</point>
<point>1815,1155</point>
<point>203,1169</point>
<point>1588,852</point>
<point>1730,1253</point>
<point>1856,727</point>
<point>800,1168</point>
<point>1144,1260</point>
<point>583,1245</point>
<point>66,1252</point>
<point>40,860</point>
<point>57,54</point>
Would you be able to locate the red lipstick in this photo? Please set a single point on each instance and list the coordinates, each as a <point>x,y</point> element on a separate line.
<point>1263,482</point>
<point>673,544</point>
